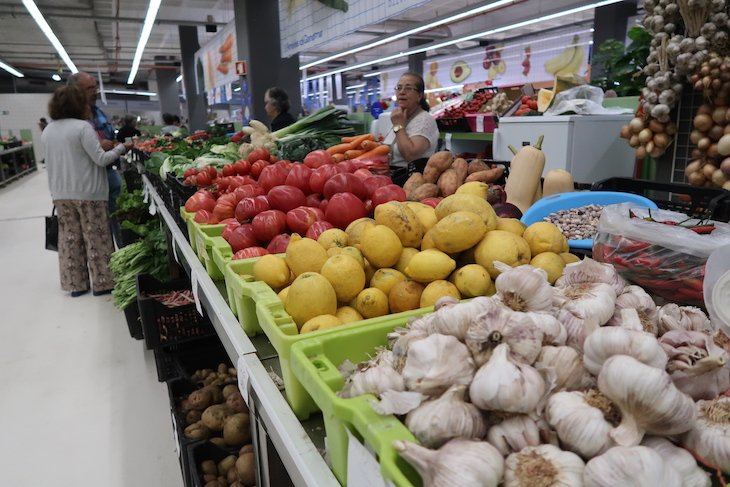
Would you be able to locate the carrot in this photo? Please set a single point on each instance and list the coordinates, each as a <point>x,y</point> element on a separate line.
<point>347,140</point>
<point>338,157</point>
<point>355,144</point>
<point>338,149</point>
<point>369,145</point>
<point>380,150</point>
<point>353,153</point>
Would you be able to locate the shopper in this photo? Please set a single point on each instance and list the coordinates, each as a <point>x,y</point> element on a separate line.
<point>128,128</point>
<point>414,135</point>
<point>42,124</point>
<point>80,190</point>
<point>276,104</point>
<point>182,129</point>
<point>169,128</point>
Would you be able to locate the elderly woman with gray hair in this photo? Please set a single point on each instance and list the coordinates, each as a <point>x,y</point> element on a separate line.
<point>277,108</point>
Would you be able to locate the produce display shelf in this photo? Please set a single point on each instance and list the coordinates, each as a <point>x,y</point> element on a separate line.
<point>300,445</point>
<point>466,136</point>
<point>12,161</point>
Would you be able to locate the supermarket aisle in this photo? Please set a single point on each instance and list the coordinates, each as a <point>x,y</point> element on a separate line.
<point>80,402</point>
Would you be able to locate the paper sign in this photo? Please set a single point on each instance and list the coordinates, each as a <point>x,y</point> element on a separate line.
<point>480,124</point>
<point>174,434</point>
<point>243,378</point>
<point>363,470</point>
<point>196,296</point>
<point>153,207</point>
<point>447,141</point>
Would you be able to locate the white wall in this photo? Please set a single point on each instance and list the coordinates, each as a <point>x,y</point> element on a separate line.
<point>23,111</point>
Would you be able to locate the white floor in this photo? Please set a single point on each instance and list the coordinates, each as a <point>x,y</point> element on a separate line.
<point>79,399</point>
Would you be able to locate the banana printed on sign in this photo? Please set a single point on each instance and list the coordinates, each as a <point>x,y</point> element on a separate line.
<point>568,61</point>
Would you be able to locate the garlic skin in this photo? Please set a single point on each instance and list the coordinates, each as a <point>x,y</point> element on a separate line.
<point>505,385</point>
<point>553,331</point>
<point>591,271</point>
<point>400,341</point>
<point>568,365</point>
<point>579,418</point>
<point>593,302</point>
<point>543,465</point>
<point>674,317</point>
<point>437,362</point>
<point>373,377</point>
<point>608,341</point>
<point>635,466</point>
<point>450,319</point>
<point>523,288</point>
<point>634,297</point>
<point>576,328</point>
<point>696,364</point>
<point>680,459</point>
<point>514,433</point>
<point>437,421</point>
<point>648,400</point>
<point>458,462</point>
<point>710,436</point>
<point>502,325</point>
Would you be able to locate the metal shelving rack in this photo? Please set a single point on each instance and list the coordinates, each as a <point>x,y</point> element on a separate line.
<point>279,438</point>
<point>12,161</point>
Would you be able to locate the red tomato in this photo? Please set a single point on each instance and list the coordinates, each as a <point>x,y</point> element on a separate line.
<point>242,237</point>
<point>432,202</point>
<point>203,179</point>
<point>257,167</point>
<point>390,192</point>
<point>317,228</point>
<point>345,183</point>
<point>242,167</point>
<point>212,171</point>
<point>323,205</point>
<point>374,182</point>
<point>225,207</point>
<point>249,253</point>
<point>249,207</point>
<point>200,200</point>
<point>272,176</point>
<point>189,181</point>
<point>249,191</point>
<point>343,209</point>
<point>350,165</point>
<point>286,198</point>
<point>284,164</point>
<point>363,174</point>
<point>229,229</point>
<point>317,158</point>
<point>268,224</point>
<point>279,244</point>
<point>228,170</point>
<point>314,200</point>
<point>320,176</point>
<point>300,219</point>
<point>258,154</point>
<point>273,159</point>
<point>205,217</point>
<point>190,172</point>
<point>299,176</point>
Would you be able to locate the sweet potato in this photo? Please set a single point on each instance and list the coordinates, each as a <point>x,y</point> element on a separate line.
<point>488,176</point>
<point>478,165</point>
<point>426,190</point>
<point>448,182</point>
<point>413,182</point>
<point>459,165</point>
<point>436,165</point>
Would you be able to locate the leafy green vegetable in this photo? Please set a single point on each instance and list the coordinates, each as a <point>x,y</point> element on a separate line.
<point>131,207</point>
<point>326,119</point>
<point>620,67</point>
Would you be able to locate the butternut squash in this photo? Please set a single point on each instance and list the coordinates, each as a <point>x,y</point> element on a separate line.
<point>557,181</point>
<point>538,193</point>
<point>524,175</point>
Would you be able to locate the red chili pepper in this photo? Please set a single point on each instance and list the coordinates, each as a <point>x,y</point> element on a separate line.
<point>630,245</point>
<point>703,229</point>
<point>646,261</point>
<point>696,284</point>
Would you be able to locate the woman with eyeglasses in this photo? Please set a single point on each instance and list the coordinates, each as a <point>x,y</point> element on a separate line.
<point>415,134</point>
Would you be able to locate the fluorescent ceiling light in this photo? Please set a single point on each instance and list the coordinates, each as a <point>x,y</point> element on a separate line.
<point>237,89</point>
<point>354,87</point>
<point>415,30</point>
<point>370,75</point>
<point>466,38</point>
<point>149,21</point>
<point>55,77</point>
<point>178,79</point>
<point>131,92</point>
<point>41,21</point>
<point>445,88</point>
<point>11,70</point>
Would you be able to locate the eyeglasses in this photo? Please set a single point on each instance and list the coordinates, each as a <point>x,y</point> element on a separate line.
<point>405,88</point>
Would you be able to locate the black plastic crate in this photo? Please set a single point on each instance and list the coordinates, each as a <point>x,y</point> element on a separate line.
<point>459,124</point>
<point>131,313</point>
<point>178,389</point>
<point>202,451</point>
<point>163,326</point>
<point>695,201</point>
<point>132,179</point>
<point>181,361</point>
<point>180,194</point>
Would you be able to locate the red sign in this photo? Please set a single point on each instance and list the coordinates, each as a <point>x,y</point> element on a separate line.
<point>241,68</point>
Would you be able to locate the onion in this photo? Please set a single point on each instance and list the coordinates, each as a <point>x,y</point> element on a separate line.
<point>703,122</point>
<point>661,140</point>
<point>634,141</point>
<point>696,178</point>
<point>719,178</point>
<point>704,143</point>
<point>636,125</point>
<point>716,132</point>
<point>696,153</point>
<point>716,84</point>
<point>693,166</point>
<point>640,152</point>
<point>727,115</point>
<point>708,169</point>
<point>625,132</point>
<point>649,147</point>
<point>723,145</point>
<point>670,129</point>
<point>695,136</point>
<point>718,115</point>
<point>657,127</point>
<point>645,136</point>
<point>705,108</point>
<point>726,186</point>
<point>657,152</point>
<point>725,166</point>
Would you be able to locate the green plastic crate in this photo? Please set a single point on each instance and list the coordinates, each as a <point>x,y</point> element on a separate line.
<point>259,309</point>
<point>222,257</point>
<point>315,363</point>
<point>206,238</point>
<point>189,219</point>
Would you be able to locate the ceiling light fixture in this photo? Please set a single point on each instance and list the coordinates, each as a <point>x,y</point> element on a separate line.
<point>131,92</point>
<point>178,79</point>
<point>445,88</point>
<point>370,75</point>
<point>11,70</point>
<point>446,20</point>
<point>41,21</point>
<point>149,21</point>
<point>55,77</point>
<point>466,38</point>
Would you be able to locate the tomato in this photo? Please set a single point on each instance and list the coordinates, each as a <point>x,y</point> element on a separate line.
<point>314,200</point>
<point>320,176</point>
<point>432,202</point>
<point>375,182</point>
<point>317,228</point>
<point>190,172</point>
<point>343,209</point>
<point>268,224</point>
<point>391,192</point>
<point>299,176</point>
<point>300,219</point>
<point>258,154</point>
<point>345,183</point>
<point>286,198</point>
<point>349,166</point>
<point>249,253</point>
<point>203,179</point>
<point>249,207</point>
<point>272,176</point>
<point>258,167</point>
<point>189,181</point>
<point>323,205</point>
<point>279,244</point>
<point>205,217</point>
<point>249,190</point>
<point>318,158</point>
<point>225,207</point>
<point>242,167</point>
<point>242,237</point>
<point>228,170</point>
<point>273,159</point>
<point>283,164</point>
<point>229,229</point>
<point>363,174</point>
<point>200,200</point>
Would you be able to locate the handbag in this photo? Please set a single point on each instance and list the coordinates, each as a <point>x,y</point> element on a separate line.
<point>52,231</point>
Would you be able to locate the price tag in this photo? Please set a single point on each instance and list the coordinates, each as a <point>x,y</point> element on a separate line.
<point>146,194</point>
<point>153,207</point>
<point>447,141</point>
<point>174,434</point>
<point>363,470</point>
<point>196,296</point>
<point>480,123</point>
<point>174,251</point>
<point>243,377</point>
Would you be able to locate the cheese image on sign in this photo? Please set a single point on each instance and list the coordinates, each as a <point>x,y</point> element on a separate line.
<point>241,68</point>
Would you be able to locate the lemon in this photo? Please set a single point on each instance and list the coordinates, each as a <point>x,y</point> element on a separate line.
<point>381,246</point>
<point>385,278</point>
<point>502,246</point>
<point>511,225</point>
<point>436,290</point>
<point>425,214</point>
<point>348,314</point>
<point>471,280</point>
<point>405,258</point>
<point>321,322</point>
<point>354,253</point>
<point>369,271</point>
<point>430,265</point>
<point>272,270</point>
<point>310,295</point>
<point>468,202</point>
<point>305,255</point>
<point>545,237</point>
<point>334,237</point>
<point>475,188</point>
<point>402,220</point>
<point>427,241</point>
<point>283,293</point>
<point>569,258</point>
<point>551,262</point>
<point>355,229</point>
<point>346,276</point>
<point>458,231</point>
<point>371,302</point>
<point>405,296</point>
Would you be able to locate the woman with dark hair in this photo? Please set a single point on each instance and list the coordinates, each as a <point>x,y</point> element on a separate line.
<point>277,108</point>
<point>128,128</point>
<point>414,135</point>
<point>79,187</point>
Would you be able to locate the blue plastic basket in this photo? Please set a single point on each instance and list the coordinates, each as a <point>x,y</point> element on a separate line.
<point>565,201</point>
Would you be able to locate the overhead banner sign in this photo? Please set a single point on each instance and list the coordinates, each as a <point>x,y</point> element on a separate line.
<point>306,24</point>
<point>215,62</point>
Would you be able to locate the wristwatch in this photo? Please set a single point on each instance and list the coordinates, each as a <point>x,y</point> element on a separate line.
<point>397,128</point>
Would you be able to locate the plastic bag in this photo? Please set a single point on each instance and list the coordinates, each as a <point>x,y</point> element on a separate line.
<point>717,289</point>
<point>583,100</point>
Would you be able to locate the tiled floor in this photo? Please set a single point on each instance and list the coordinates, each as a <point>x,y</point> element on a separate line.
<point>79,399</point>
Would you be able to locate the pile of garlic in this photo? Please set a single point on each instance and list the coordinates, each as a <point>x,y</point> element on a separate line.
<point>585,383</point>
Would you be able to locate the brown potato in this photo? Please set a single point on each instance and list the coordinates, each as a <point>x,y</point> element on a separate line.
<point>226,464</point>
<point>477,165</point>
<point>193,417</point>
<point>199,400</point>
<point>218,441</point>
<point>237,429</point>
<point>426,190</point>
<point>209,467</point>
<point>232,475</point>
<point>215,415</point>
<point>229,389</point>
<point>245,449</point>
<point>197,431</point>
<point>414,181</point>
<point>246,469</point>
<point>236,403</point>
<point>448,182</point>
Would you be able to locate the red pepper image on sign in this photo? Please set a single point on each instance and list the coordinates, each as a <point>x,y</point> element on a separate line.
<point>526,61</point>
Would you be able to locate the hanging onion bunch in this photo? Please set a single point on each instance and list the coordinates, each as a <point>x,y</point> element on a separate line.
<point>710,165</point>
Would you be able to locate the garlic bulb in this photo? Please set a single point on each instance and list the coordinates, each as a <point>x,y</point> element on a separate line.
<point>437,362</point>
<point>634,297</point>
<point>635,466</point>
<point>454,319</point>
<point>583,421</point>
<point>400,341</point>
<point>608,341</point>
<point>553,331</point>
<point>594,302</point>
<point>627,318</point>
<point>710,436</point>
<point>514,433</point>
<point>504,385</point>
<point>544,465</point>
<point>502,325</point>
<point>648,400</point>
<point>437,421</point>
<point>680,459</point>
<point>674,317</point>
<point>591,271</point>
<point>576,328</point>
<point>568,365</point>
<point>458,462</point>
<point>373,377</point>
<point>523,288</point>
<point>697,365</point>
